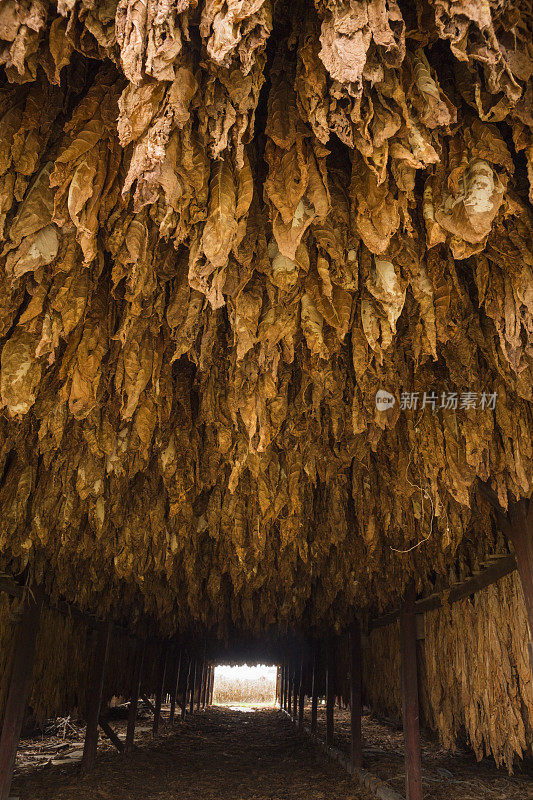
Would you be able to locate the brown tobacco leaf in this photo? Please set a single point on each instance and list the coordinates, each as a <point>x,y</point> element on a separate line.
<point>225,227</point>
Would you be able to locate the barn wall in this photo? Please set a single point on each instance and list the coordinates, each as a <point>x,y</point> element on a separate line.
<point>475,672</point>
<point>62,663</point>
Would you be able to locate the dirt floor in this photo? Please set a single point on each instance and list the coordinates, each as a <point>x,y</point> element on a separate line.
<point>444,776</point>
<point>218,754</point>
<point>246,754</point>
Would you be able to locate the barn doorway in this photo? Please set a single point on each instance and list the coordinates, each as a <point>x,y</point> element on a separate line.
<point>245,687</point>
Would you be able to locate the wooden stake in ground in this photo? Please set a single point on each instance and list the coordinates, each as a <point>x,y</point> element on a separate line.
<point>134,696</point>
<point>94,695</point>
<point>161,671</point>
<point>411,725</point>
<point>355,696</point>
<point>19,689</point>
<point>314,689</point>
<point>330,693</point>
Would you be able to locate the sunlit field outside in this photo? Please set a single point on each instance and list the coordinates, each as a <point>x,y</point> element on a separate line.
<point>245,686</point>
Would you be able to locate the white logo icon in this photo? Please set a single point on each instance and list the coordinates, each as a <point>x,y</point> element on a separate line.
<point>384,400</point>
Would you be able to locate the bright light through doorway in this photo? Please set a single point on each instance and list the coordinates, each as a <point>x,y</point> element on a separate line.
<point>245,687</point>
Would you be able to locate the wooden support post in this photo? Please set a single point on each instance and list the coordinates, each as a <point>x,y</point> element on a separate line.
<point>200,679</point>
<point>203,685</point>
<point>301,696</point>
<point>175,688</point>
<point>212,691</point>
<point>134,696</point>
<point>314,690</point>
<point>111,735</point>
<point>208,685</point>
<point>411,730</point>
<point>94,695</point>
<point>330,693</point>
<point>193,685</point>
<point>282,686</point>
<point>289,689</point>
<point>186,689</point>
<point>520,532</point>
<point>356,701</point>
<point>19,689</point>
<point>295,687</point>
<point>161,671</point>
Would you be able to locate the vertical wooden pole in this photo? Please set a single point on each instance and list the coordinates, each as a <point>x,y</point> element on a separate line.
<point>200,683</point>
<point>314,690</point>
<point>134,696</point>
<point>209,684</point>
<point>356,696</point>
<point>330,693</point>
<point>282,685</point>
<point>301,696</point>
<point>161,671</point>
<point>295,687</point>
<point>411,730</point>
<point>94,695</point>
<point>186,689</point>
<point>204,686</point>
<point>212,686</point>
<point>520,532</point>
<point>19,689</point>
<point>175,684</point>
<point>288,686</point>
<point>193,685</point>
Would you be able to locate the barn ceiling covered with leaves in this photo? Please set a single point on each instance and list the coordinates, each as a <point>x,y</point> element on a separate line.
<point>224,227</point>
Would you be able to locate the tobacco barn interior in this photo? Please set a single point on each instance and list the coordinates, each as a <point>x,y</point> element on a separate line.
<point>266,397</point>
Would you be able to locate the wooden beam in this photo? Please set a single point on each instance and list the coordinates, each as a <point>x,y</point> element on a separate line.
<point>94,695</point>
<point>356,674</point>
<point>314,689</point>
<point>161,672</point>
<point>330,693</point>
<point>498,569</point>
<point>19,688</point>
<point>111,735</point>
<point>148,702</point>
<point>411,725</point>
<point>134,696</point>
